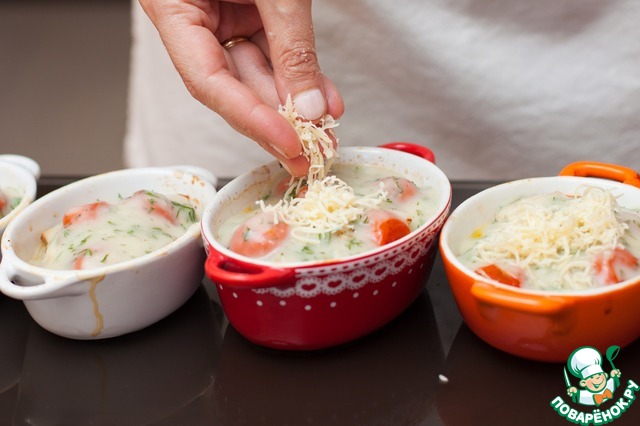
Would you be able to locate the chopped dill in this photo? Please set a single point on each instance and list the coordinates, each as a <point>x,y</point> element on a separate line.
<point>353,243</point>
<point>326,236</point>
<point>190,211</point>
<point>397,182</point>
<point>15,203</point>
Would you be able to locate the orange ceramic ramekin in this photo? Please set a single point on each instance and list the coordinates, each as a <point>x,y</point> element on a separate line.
<point>534,324</point>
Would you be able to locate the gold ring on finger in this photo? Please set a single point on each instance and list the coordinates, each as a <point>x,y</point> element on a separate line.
<point>233,41</point>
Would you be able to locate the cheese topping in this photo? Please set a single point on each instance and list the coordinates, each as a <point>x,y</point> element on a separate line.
<point>339,216</point>
<point>329,205</point>
<point>552,232</point>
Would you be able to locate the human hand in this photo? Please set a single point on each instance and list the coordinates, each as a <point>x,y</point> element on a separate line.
<point>571,391</point>
<point>247,82</point>
<point>616,373</point>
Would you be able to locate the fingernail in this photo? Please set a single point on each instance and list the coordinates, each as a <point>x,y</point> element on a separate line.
<point>286,167</point>
<point>310,104</point>
<point>279,151</point>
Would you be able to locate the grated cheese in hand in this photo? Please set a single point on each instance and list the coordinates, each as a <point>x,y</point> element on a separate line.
<point>317,146</point>
<point>553,232</point>
<point>330,204</point>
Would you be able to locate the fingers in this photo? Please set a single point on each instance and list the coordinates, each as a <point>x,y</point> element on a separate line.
<point>260,40</point>
<point>335,104</point>
<point>187,33</point>
<point>289,30</point>
<point>297,167</point>
<point>247,83</point>
<point>187,30</point>
<point>334,99</point>
<point>247,113</point>
<point>253,69</point>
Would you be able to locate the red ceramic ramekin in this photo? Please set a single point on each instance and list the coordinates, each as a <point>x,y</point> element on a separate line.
<point>313,305</point>
<point>535,324</point>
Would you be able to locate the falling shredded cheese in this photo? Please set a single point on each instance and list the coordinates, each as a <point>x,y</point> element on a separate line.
<point>542,232</point>
<point>330,204</point>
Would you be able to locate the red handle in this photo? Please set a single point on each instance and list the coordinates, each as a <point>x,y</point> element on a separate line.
<point>602,170</point>
<point>240,275</point>
<point>412,148</point>
<point>533,304</point>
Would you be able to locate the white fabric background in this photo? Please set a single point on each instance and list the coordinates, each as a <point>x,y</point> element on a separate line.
<point>498,89</point>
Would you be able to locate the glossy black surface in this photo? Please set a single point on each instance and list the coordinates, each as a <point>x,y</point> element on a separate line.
<point>194,369</point>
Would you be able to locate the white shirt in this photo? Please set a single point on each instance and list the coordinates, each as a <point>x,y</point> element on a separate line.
<point>497,89</point>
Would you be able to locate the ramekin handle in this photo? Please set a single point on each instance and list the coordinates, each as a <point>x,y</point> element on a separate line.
<point>602,170</point>
<point>503,298</point>
<point>235,274</point>
<point>46,290</point>
<point>412,148</point>
<point>198,171</point>
<point>25,162</point>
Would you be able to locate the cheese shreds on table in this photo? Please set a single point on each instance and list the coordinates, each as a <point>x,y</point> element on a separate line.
<point>329,204</point>
<point>548,230</point>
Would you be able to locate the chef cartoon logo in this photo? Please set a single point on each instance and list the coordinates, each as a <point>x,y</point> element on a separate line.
<point>598,385</point>
<point>585,363</point>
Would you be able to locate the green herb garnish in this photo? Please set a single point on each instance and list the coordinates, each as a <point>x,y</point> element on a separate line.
<point>190,211</point>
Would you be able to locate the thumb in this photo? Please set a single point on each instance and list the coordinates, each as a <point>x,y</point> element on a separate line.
<point>289,30</point>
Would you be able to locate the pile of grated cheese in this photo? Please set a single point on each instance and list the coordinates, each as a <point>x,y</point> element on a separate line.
<point>330,204</point>
<point>540,232</point>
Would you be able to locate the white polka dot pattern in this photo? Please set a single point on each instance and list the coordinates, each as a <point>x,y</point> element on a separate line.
<point>335,279</point>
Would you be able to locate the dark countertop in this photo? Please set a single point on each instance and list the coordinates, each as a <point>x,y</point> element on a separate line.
<point>424,368</point>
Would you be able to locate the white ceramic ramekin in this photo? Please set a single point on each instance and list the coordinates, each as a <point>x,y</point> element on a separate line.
<point>21,173</point>
<point>115,299</point>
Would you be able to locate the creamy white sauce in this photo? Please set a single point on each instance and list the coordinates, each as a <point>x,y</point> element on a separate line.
<point>559,242</point>
<point>102,234</point>
<point>10,197</point>
<point>355,238</point>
